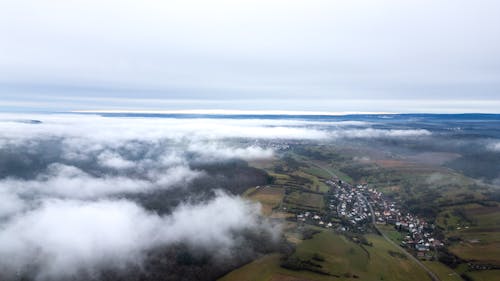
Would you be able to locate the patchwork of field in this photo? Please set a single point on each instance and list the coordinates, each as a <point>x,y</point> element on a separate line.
<point>303,185</point>
<point>468,219</point>
<point>476,229</point>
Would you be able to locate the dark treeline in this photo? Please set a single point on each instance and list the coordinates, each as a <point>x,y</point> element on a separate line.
<point>233,177</point>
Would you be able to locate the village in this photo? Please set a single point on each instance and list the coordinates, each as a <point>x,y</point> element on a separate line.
<point>359,209</point>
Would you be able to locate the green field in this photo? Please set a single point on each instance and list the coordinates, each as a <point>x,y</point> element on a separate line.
<point>442,271</point>
<point>477,227</point>
<point>304,200</point>
<point>316,184</point>
<point>458,205</point>
<point>487,275</point>
<point>320,173</point>
<point>343,260</point>
<point>392,233</point>
<point>268,268</point>
<point>341,175</point>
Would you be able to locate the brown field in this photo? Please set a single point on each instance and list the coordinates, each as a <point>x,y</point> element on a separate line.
<point>394,188</point>
<point>269,197</point>
<point>405,165</point>
<point>305,200</point>
<point>281,215</point>
<point>263,163</point>
<point>389,163</point>
<point>480,241</point>
<point>433,158</point>
<point>484,253</point>
<point>478,210</point>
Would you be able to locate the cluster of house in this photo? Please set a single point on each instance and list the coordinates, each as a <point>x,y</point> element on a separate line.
<point>313,218</point>
<point>348,202</point>
<point>354,205</point>
<point>419,233</point>
<point>343,201</point>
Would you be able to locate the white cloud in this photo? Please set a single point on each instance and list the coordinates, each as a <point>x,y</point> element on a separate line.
<point>380,133</point>
<point>71,182</point>
<point>495,146</point>
<point>173,176</point>
<point>11,204</point>
<point>194,223</point>
<point>214,151</point>
<point>64,238</point>
<point>114,160</point>
<point>90,131</point>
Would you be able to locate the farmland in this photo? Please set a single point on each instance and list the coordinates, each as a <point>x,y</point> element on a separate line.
<point>445,198</point>
<point>343,260</point>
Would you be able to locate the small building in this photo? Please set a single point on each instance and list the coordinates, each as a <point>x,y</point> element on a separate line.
<point>421,248</point>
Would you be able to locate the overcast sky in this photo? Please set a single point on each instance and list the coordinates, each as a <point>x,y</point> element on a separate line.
<point>390,56</point>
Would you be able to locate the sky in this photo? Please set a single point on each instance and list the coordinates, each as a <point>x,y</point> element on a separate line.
<point>329,56</point>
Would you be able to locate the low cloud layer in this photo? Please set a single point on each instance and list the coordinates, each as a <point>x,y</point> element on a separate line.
<point>71,182</point>
<point>114,131</point>
<point>211,151</point>
<point>67,237</point>
<point>495,146</point>
<point>381,133</point>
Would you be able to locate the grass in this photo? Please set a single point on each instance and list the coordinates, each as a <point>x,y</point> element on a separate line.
<point>320,173</point>
<point>485,275</point>
<point>428,187</point>
<point>268,268</point>
<point>477,226</point>
<point>264,164</point>
<point>442,271</point>
<point>342,258</point>
<point>316,185</point>
<point>484,253</point>
<point>268,197</point>
<point>341,255</point>
<point>280,178</point>
<point>393,268</point>
<point>305,200</point>
<point>392,233</point>
<point>340,175</point>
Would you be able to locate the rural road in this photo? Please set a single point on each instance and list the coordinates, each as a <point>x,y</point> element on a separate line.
<point>429,272</point>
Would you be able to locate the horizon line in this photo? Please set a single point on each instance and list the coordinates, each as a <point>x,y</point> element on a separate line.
<point>260,112</point>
